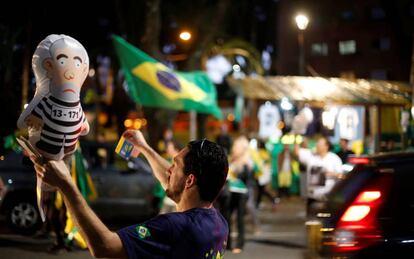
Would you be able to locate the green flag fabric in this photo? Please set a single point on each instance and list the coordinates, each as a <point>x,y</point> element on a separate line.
<point>150,83</point>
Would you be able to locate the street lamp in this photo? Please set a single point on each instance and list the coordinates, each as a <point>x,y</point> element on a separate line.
<point>302,23</point>
<point>185,35</point>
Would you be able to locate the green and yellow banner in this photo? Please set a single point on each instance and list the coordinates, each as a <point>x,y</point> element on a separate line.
<point>150,83</point>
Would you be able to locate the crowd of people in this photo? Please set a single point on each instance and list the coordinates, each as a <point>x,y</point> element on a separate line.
<point>275,171</point>
<point>257,170</point>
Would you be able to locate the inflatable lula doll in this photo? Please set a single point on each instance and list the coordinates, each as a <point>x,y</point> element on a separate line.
<point>54,117</point>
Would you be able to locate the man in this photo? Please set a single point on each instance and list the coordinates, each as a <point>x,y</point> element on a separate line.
<point>344,152</point>
<point>193,181</point>
<point>323,168</point>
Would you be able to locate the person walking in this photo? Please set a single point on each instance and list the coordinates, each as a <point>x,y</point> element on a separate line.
<point>241,186</point>
<point>324,168</point>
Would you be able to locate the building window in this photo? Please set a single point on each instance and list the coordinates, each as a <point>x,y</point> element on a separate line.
<point>348,15</point>
<point>377,13</point>
<point>379,74</point>
<point>382,44</point>
<point>319,49</point>
<point>385,44</point>
<point>347,47</point>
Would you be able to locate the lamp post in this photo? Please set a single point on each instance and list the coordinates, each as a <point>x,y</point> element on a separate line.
<point>185,35</point>
<point>302,23</point>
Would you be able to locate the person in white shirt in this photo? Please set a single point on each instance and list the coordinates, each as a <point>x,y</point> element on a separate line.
<point>323,169</point>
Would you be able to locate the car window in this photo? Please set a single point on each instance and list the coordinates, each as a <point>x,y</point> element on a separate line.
<point>345,191</point>
<point>401,202</point>
<point>102,156</point>
<point>16,161</point>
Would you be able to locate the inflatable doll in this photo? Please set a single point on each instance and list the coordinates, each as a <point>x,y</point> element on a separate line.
<point>54,117</point>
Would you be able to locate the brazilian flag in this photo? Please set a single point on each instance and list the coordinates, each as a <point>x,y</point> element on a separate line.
<point>153,84</point>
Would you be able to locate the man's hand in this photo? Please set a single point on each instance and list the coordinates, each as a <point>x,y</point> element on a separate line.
<point>159,165</point>
<point>136,138</point>
<point>54,173</point>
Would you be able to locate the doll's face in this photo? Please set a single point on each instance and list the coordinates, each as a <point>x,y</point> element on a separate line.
<point>67,70</point>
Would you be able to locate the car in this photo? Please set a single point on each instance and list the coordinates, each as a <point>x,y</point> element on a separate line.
<point>370,212</point>
<point>124,188</point>
<point>18,193</point>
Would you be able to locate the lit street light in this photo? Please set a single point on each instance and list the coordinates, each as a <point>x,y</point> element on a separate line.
<point>302,23</point>
<point>185,35</point>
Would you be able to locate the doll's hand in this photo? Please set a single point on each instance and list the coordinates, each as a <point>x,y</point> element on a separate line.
<point>34,122</point>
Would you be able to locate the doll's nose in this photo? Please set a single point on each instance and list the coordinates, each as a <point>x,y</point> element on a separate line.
<point>69,75</point>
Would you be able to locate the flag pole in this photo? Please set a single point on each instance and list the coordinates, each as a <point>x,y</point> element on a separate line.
<point>193,125</point>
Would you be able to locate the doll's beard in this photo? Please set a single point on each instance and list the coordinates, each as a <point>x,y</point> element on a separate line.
<point>67,92</point>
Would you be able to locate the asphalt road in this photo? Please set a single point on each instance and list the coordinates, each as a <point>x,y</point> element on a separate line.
<point>282,235</point>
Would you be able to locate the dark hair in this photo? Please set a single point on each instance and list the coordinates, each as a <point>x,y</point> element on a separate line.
<point>208,162</point>
<point>344,139</point>
<point>327,142</point>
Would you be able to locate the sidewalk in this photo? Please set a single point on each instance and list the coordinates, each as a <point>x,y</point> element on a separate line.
<point>282,233</point>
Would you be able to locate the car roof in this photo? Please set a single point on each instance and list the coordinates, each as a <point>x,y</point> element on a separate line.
<point>392,157</point>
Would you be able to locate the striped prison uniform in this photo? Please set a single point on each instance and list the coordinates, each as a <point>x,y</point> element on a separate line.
<point>62,124</point>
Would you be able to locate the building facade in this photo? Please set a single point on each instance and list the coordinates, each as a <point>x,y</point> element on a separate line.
<point>370,39</point>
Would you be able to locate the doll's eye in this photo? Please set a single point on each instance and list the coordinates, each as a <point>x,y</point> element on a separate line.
<point>62,61</point>
<point>77,63</point>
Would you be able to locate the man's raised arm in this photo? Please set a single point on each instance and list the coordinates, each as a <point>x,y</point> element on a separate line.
<point>158,164</point>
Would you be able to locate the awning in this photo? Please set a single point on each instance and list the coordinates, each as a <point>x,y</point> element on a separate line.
<point>324,90</point>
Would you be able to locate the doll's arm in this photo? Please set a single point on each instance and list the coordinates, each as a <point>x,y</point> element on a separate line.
<point>85,126</point>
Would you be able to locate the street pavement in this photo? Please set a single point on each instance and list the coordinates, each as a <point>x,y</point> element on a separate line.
<point>281,235</point>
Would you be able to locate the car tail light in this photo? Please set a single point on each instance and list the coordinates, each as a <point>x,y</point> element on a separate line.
<point>358,160</point>
<point>358,226</point>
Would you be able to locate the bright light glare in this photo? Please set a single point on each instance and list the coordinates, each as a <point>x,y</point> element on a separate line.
<point>91,72</point>
<point>302,21</point>
<point>185,35</point>
<point>25,106</point>
<point>236,68</point>
<point>329,117</point>
<point>286,105</point>
<point>128,123</point>
<point>355,213</point>
<point>308,114</point>
<point>368,196</point>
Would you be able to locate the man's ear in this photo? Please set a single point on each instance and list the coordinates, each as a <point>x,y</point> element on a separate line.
<point>48,66</point>
<point>190,181</point>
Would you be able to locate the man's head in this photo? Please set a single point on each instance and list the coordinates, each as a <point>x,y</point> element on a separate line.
<point>203,165</point>
<point>343,142</point>
<point>322,146</point>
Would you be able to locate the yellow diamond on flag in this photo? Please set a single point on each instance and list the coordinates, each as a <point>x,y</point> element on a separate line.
<point>171,85</point>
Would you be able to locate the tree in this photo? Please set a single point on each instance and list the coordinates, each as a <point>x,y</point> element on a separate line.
<point>206,16</point>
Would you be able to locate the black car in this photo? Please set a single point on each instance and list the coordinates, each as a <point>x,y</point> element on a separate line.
<point>124,188</point>
<point>18,193</point>
<point>370,213</point>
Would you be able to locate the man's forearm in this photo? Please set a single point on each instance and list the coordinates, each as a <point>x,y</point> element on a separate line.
<point>158,164</point>
<point>101,241</point>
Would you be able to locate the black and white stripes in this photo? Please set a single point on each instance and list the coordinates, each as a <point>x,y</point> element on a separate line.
<point>62,124</point>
